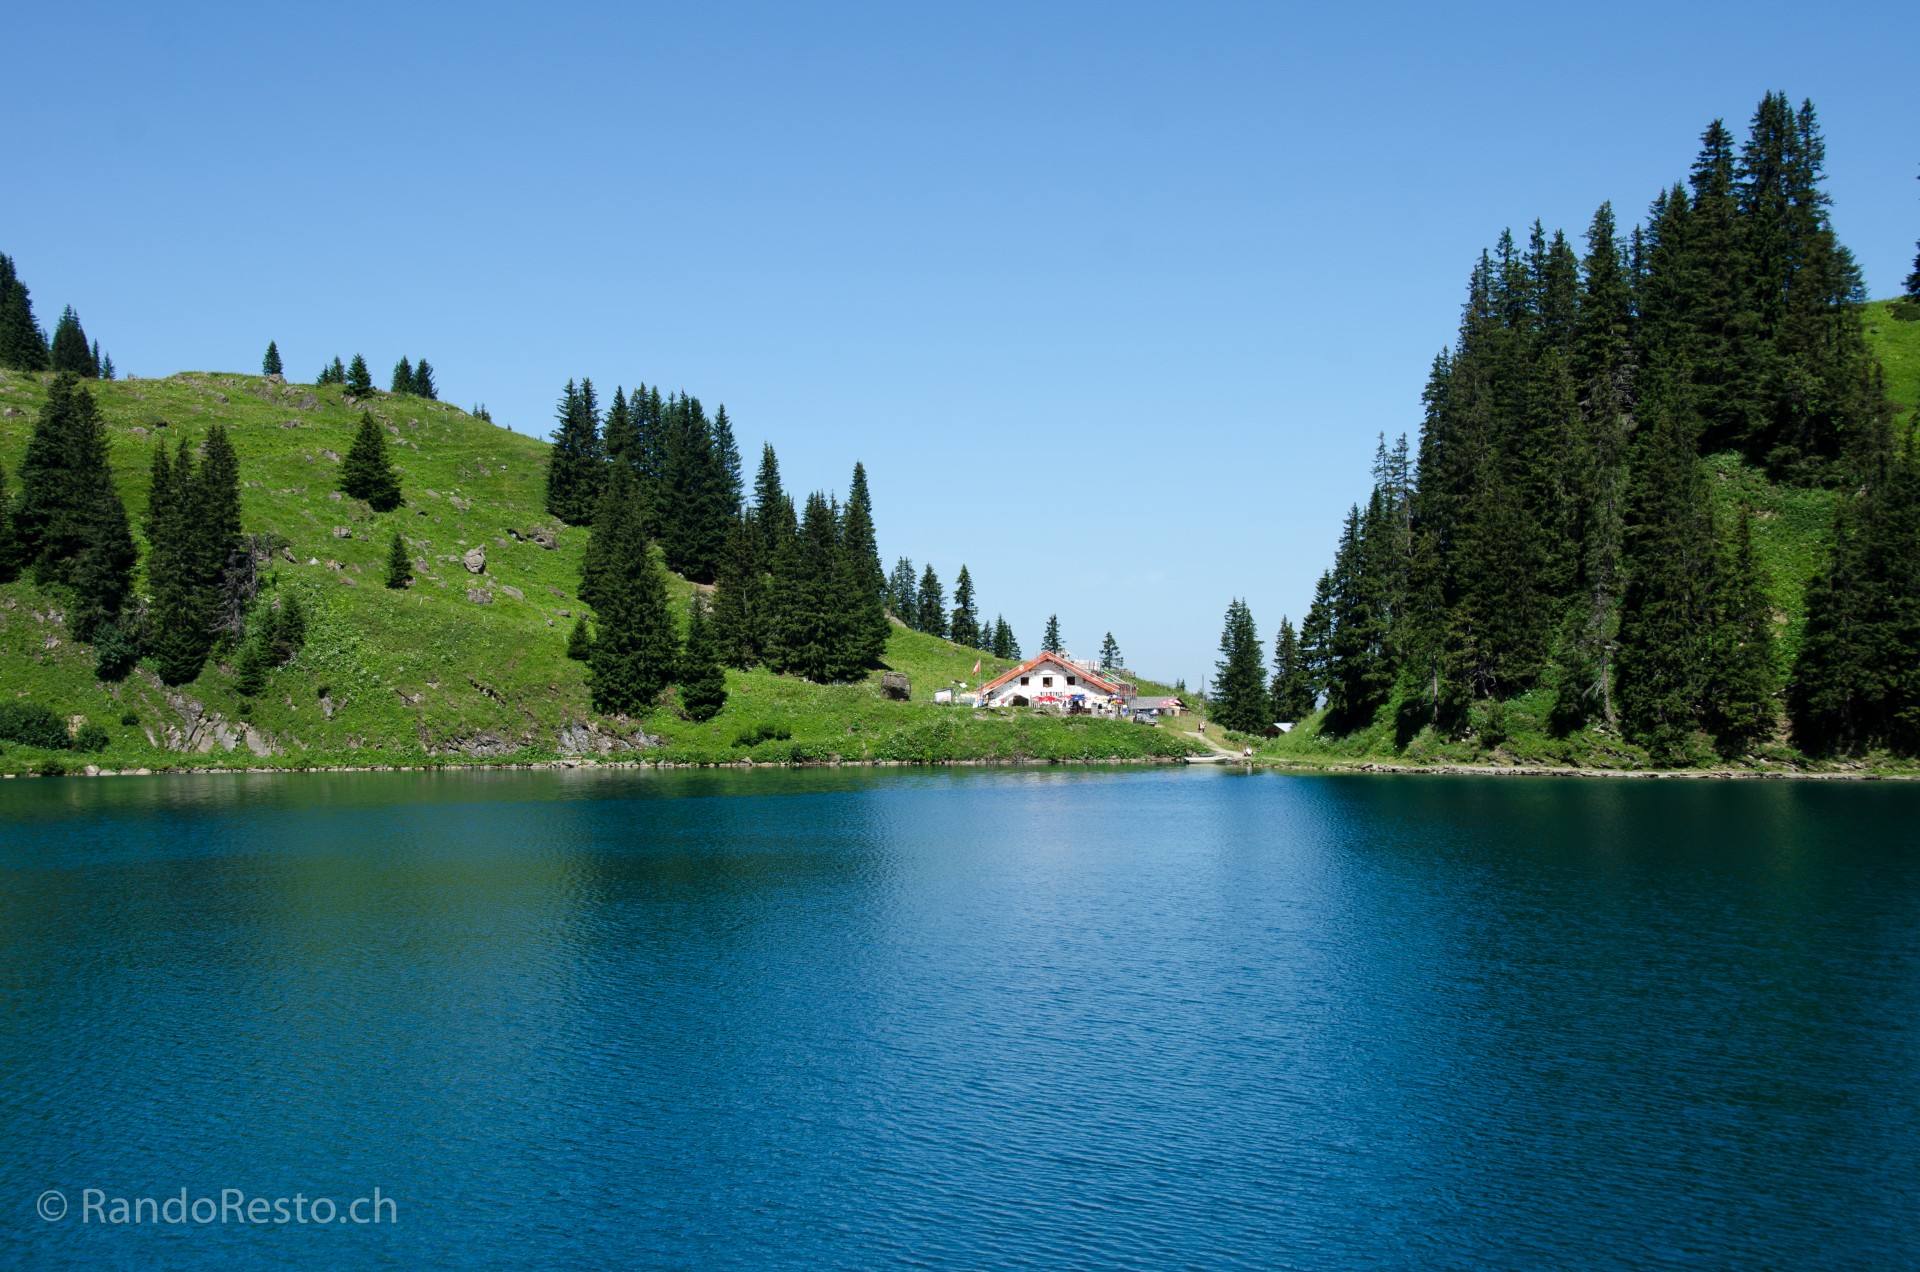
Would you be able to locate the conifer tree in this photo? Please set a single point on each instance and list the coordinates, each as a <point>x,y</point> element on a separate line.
<point>702,679</point>
<point>367,473</point>
<point>811,632</point>
<point>740,602</point>
<point>1740,671</point>
<point>217,532</point>
<point>575,472</point>
<point>964,626</point>
<point>106,366</point>
<point>772,513</point>
<point>9,549</point>
<point>399,565</point>
<point>423,384</point>
<point>903,592</point>
<point>290,631</point>
<point>1004,644</point>
<point>402,377</point>
<point>619,502</point>
<point>359,380</point>
<point>70,350</point>
<point>250,673</point>
<point>932,618</point>
<point>1109,653</point>
<point>114,652</point>
<point>333,373</point>
<point>863,558</point>
<point>1239,697</point>
<point>1291,693</point>
<point>620,434</point>
<point>580,640</point>
<point>270,365</point>
<point>23,346</point>
<point>698,495</point>
<point>1050,641</point>
<point>635,648</point>
<point>63,476</point>
<point>182,608</point>
<point>101,575</point>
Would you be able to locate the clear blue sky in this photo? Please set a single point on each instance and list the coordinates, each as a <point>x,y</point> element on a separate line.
<point>1111,300</point>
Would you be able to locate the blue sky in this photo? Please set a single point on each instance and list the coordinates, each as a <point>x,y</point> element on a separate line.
<point>1112,301</point>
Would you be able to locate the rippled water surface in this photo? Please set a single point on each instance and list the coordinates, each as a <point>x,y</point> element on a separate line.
<point>965,1019</point>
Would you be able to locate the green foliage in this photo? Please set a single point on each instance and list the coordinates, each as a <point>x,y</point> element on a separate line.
<point>580,640</point>
<point>964,628</point>
<point>250,674</point>
<point>932,600</point>
<point>702,680</point>
<point>367,472</point>
<point>1004,644</point>
<point>358,379</point>
<point>740,600</point>
<point>423,381</point>
<point>193,532</point>
<point>1109,653</point>
<point>68,522</point>
<point>130,719</point>
<point>333,373</point>
<point>634,649</point>
<point>270,364</point>
<point>71,353</point>
<point>867,583</point>
<point>903,592</point>
<point>1050,641</point>
<point>23,346</point>
<point>814,630</point>
<point>1291,691</point>
<point>402,381</point>
<point>399,564</point>
<point>574,471</point>
<point>1739,709</point>
<point>31,724</point>
<point>1239,695</point>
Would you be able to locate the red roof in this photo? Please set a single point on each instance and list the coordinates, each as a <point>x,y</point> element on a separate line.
<point>1096,681</point>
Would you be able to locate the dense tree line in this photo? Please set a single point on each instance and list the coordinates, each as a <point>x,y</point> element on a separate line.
<point>1556,529</point>
<point>25,347</point>
<point>67,527</point>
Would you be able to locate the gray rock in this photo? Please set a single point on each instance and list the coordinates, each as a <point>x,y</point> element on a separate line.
<point>330,455</point>
<point>895,685</point>
<point>479,596</point>
<point>512,591</point>
<point>475,559</point>
<point>343,532</point>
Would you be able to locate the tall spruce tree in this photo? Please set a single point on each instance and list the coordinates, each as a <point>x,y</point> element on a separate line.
<point>619,503</point>
<point>1004,645</point>
<point>620,435</point>
<point>932,618</point>
<point>1239,695</point>
<point>193,533</point>
<point>574,471</point>
<point>23,346</point>
<point>863,558</point>
<point>70,350</point>
<point>964,626</point>
<point>359,380</point>
<point>423,381</point>
<point>1050,640</point>
<point>67,523</point>
<point>367,472</point>
<point>702,679</point>
<point>903,592</point>
<point>1291,692</point>
<point>1109,653</point>
<point>740,600</point>
<point>772,511</point>
<point>635,649</point>
<point>812,633</point>
<point>402,377</point>
<point>270,365</point>
<point>698,495</point>
<point>1740,669</point>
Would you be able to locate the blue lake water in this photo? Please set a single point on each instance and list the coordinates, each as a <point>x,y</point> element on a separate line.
<point>961,1019</point>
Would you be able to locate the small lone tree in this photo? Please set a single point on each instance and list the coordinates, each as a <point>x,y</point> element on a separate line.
<point>964,629</point>
<point>368,473</point>
<point>399,567</point>
<point>1050,643</point>
<point>580,640</point>
<point>703,681</point>
<point>270,365</point>
<point>423,385</point>
<point>1109,653</point>
<point>359,380</point>
<point>402,377</point>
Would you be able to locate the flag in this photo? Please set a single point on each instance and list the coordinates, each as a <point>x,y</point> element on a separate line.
<point>976,666</point>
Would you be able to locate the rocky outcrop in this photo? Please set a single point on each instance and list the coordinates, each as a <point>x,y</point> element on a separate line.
<point>475,559</point>
<point>590,739</point>
<point>895,685</point>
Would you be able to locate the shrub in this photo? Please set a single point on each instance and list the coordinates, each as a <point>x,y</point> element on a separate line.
<point>130,718</point>
<point>754,735</point>
<point>33,725</point>
<point>52,768</point>
<point>91,737</point>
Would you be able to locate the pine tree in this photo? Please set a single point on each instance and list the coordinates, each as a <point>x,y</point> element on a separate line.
<point>772,513</point>
<point>336,373</point>
<point>290,632</point>
<point>1109,653</point>
<point>635,648</point>
<point>903,592</point>
<point>863,558</point>
<point>1740,670</point>
<point>575,472</point>
<point>619,502</point>
<point>250,673</point>
<point>1050,642</point>
<point>621,435</point>
<point>811,632</point>
<point>702,679</point>
<point>402,377</point>
<point>1004,645</point>
<point>62,477</point>
<point>698,494</point>
<point>180,617</point>
<point>964,627</point>
<point>580,641</point>
<point>932,618</point>
<point>70,351</point>
<point>101,575</point>
<point>23,346</point>
<point>106,367</point>
<point>270,365</point>
<point>1239,697</point>
<point>423,383</point>
<point>359,380</point>
<point>399,565</point>
<point>740,601</point>
<point>367,472</point>
<point>216,528</point>
<point>1291,693</point>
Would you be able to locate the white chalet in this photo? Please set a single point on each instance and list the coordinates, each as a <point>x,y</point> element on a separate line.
<point>1051,681</point>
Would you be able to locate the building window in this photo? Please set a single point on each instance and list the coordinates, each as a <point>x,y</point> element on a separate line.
<point>1046,682</point>
<point>1073,680</point>
<point>1023,680</point>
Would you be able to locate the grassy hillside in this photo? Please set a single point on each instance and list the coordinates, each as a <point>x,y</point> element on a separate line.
<point>1792,532</point>
<point>463,666</point>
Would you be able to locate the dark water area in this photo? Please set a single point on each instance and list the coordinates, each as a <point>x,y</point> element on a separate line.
<point>961,1019</point>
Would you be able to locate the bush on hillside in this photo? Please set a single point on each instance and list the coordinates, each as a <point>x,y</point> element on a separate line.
<point>31,724</point>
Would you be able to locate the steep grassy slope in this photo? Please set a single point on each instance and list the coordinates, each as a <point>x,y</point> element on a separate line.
<point>462,665</point>
<point>1792,533</point>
